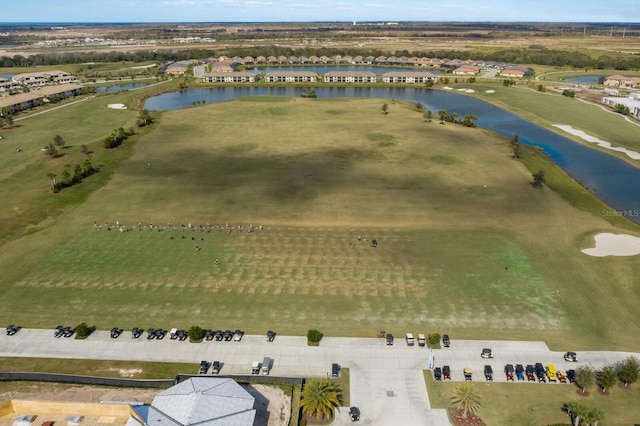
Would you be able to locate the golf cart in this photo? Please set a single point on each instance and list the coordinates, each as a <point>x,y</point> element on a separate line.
<point>486,353</point>
<point>136,332</point>
<point>468,374</point>
<point>446,372</point>
<point>389,339</point>
<point>437,374</point>
<point>271,335</point>
<point>116,332</point>
<point>508,371</point>
<point>445,340</point>
<point>354,413</point>
<point>571,357</point>
<point>488,373</point>
<point>519,372</point>
<point>531,373</point>
<point>11,330</point>
<point>561,376</point>
<point>215,367</point>
<point>204,367</point>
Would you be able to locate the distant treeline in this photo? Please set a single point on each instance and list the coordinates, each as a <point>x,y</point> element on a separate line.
<point>531,55</point>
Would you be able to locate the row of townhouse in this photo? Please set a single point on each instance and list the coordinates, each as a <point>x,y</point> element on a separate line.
<point>44,78</point>
<point>410,77</point>
<point>34,98</point>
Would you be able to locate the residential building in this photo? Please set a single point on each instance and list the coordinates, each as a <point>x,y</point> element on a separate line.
<point>410,77</point>
<point>229,77</point>
<point>43,78</point>
<point>290,77</point>
<point>350,77</point>
<point>622,81</point>
<point>23,101</point>
<point>466,70</point>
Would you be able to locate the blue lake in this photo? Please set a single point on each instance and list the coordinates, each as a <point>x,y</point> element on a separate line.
<point>119,87</point>
<point>612,180</point>
<point>594,79</point>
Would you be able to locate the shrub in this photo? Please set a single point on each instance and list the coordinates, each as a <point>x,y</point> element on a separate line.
<point>83,330</point>
<point>196,334</point>
<point>313,337</point>
<point>434,340</point>
<point>568,93</point>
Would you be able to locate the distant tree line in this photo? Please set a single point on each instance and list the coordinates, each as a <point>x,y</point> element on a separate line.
<point>534,54</point>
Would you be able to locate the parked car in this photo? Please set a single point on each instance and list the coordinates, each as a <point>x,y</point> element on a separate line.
<point>271,335</point>
<point>446,372</point>
<point>445,340</point>
<point>255,367</point>
<point>215,367</point>
<point>266,366</point>
<point>136,332</point>
<point>437,374</point>
<point>116,332</point>
<point>531,373</point>
<point>410,340</point>
<point>509,372</point>
<point>11,330</point>
<point>335,370</point>
<point>488,373</point>
<point>468,374</point>
<point>204,367</point>
<point>562,376</point>
<point>354,413</point>
<point>571,357</point>
<point>422,341</point>
<point>519,372</point>
<point>389,339</point>
<point>486,353</point>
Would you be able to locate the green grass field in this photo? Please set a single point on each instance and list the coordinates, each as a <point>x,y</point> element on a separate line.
<point>539,404</point>
<point>466,245</point>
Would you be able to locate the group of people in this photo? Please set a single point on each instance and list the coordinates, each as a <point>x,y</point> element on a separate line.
<point>169,226</point>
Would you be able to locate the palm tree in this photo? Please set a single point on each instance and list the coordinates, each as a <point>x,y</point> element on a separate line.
<point>539,181</point>
<point>466,399</point>
<point>385,108</point>
<point>319,398</point>
<point>52,178</point>
<point>576,411</point>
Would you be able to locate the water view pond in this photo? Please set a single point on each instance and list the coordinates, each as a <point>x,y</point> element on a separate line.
<point>119,87</point>
<point>593,79</point>
<point>612,180</point>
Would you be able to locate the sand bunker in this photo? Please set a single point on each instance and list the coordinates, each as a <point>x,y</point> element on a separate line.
<point>470,91</point>
<point>614,245</point>
<point>141,67</point>
<point>116,106</point>
<point>579,133</point>
<point>489,91</point>
<point>447,88</point>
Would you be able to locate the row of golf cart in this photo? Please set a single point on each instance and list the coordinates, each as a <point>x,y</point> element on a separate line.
<point>12,329</point>
<point>61,331</point>
<point>227,335</point>
<point>205,365</point>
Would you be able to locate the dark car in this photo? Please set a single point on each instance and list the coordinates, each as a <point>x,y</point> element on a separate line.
<point>58,331</point>
<point>468,374</point>
<point>136,332</point>
<point>11,330</point>
<point>215,367</point>
<point>354,413</point>
<point>228,335</point>
<point>445,340</point>
<point>509,372</point>
<point>437,374</point>
<point>208,334</point>
<point>519,371</point>
<point>151,333</point>
<point>571,357</point>
<point>218,335</point>
<point>160,333</point>
<point>531,373</point>
<point>486,353</point>
<point>204,367</point>
<point>335,370</point>
<point>446,372</point>
<point>68,332</point>
<point>389,339</point>
<point>488,373</point>
<point>182,335</point>
<point>541,374</point>
<point>271,335</point>
<point>374,243</point>
<point>571,376</point>
<point>116,332</point>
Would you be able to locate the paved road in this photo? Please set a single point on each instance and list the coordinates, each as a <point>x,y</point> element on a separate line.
<point>386,381</point>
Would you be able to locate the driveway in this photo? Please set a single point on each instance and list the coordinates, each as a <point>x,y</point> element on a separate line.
<point>386,381</point>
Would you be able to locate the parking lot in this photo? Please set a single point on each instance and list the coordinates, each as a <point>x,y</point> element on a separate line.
<point>386,381</point>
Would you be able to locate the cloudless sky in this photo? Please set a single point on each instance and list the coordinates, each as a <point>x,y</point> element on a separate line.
<point>318,10</point>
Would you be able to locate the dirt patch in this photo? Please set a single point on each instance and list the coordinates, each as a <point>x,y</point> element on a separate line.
<point>73,393</point>
<point>273,407</point>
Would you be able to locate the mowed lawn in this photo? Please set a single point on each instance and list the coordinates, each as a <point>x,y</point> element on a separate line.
<point>465,244</point>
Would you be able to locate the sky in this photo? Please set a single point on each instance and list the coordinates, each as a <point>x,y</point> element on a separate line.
<point>318,10</point>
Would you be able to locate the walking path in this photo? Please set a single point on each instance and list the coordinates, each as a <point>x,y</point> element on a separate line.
<point>386,381</point>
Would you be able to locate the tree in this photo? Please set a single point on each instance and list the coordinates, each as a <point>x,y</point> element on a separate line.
<point>469,120</point>
<point>576,410</point>
<point>622,109</point>
<point>195,333</point>
<point>443,114</point>
<point>66,174</point>
<point>541,88</point>
<point>419,106</point>
<point>466,399</point>
<point>538,179</point>
<point>88,167</point>
<point>52,178</point>
<point>568,93</point>
<point>385,108</point>
<point>585,377</point>
<point>516,146</point>
<point>144,118</point>
<point>629,371</point>
<point>427,115</point>
<point>592,416</point>
<point>606,377</point>
<point>51,150</point>
<point>59,141</point>
<point>319,397</point>
<point>85,149</point>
